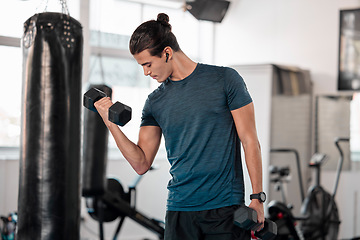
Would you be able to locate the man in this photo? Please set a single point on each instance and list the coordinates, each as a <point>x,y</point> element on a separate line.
<point>204,112</point>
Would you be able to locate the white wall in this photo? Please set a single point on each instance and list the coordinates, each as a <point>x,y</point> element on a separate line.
<point>302,33</point>
<point>298,32</point>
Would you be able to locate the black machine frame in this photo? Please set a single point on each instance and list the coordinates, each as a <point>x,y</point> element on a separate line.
<point>115,203</point>
<point>319,217</point>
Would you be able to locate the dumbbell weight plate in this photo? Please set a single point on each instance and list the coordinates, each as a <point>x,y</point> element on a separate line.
<point>91,96</point>
<point>119,114</point>
<point>245,217</point>
<point>269,231</point>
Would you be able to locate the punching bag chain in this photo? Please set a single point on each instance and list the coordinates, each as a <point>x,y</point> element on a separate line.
<point>64,7</point>
<point>46,2</point>
<point>44,5</point>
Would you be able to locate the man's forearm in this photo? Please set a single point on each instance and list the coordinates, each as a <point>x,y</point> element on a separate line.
<point>254,165</point>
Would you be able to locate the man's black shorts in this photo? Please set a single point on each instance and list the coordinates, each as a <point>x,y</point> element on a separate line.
<point>215,224</point>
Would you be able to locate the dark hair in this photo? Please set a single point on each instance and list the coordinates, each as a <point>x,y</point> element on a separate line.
<point>153,35</point>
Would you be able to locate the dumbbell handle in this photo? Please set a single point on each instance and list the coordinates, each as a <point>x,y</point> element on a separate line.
<point>119,113</point>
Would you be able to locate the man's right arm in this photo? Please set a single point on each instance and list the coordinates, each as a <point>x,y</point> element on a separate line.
<point>140,155</point>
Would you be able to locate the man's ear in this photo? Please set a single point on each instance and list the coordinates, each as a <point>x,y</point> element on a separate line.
<point>168,53</point>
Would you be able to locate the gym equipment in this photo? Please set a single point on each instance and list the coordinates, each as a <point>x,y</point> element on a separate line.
<point>105,198</point>
<point>95,145</point>
<point>119,113</point>
<point>49,184</point>
<point>319,214</point>
<point>116,203</point>
<point>8,226</point>
<point>282,173</point>
<point>280,212</point>
<point>246,218</point>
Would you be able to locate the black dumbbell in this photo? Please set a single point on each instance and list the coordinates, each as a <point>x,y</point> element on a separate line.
<point>246,218</point>
<point>119,113</point>
<point>269,231</point>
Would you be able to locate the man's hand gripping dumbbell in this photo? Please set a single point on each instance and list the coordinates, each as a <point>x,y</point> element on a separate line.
<point>246,218</point>
<point>96,100</point>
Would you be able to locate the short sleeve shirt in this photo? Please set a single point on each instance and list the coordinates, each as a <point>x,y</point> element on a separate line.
<point>201,141</point>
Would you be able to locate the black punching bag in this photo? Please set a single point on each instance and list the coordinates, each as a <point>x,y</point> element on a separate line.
<point>49,187</point>
<point>95,150</point>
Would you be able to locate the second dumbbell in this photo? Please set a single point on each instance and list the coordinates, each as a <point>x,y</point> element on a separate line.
<point>119,113</point>
<point>246,218</point>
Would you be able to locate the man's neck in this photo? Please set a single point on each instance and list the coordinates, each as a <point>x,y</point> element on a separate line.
<point>183,66</point>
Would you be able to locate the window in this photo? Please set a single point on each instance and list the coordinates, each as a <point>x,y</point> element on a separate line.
<point>111,24</point>
<point>114,16</point>
<point>12,25</point>
<point>11,31</point>
<point>129,86</point>
<point>10,77</point>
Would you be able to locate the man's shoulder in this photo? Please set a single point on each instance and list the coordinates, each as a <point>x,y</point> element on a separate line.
<point>217,68</point>
<point>157,92</point>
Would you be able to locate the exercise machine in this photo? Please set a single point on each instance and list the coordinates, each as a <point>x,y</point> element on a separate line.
<point>105,197</point>
<point>281,211</point>
<point>8,226</point>
<point>319,217</point>
<point>116,203</point>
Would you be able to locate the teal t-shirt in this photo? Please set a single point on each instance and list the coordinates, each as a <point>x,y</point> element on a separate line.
<point>201,141</point>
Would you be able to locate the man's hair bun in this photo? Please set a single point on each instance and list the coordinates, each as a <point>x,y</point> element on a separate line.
<point>154,35</point>
<point>163,18</point>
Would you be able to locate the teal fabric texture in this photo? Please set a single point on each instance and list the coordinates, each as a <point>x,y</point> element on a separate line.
<point>201,141</point>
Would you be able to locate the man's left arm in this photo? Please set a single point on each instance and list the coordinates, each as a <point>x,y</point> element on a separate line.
<point>244,119</point>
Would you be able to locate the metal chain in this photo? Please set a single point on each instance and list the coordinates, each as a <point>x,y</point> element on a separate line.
<point>63,3</point>
<point>64,7</point>
<point>40,6</point>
